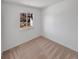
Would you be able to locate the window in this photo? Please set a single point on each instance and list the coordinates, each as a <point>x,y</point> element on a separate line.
<point>26,20</point>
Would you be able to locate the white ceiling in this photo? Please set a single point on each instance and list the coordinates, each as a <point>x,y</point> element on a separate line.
<point>35,3</point>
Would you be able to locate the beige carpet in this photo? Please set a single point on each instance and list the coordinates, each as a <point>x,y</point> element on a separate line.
<point>40,48</point>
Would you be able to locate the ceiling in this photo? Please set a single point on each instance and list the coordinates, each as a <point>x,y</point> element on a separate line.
<point>35,3</point>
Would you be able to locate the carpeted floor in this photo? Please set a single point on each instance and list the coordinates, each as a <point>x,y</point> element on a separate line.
<point>40,48</point>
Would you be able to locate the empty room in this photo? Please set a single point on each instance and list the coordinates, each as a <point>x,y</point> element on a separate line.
<point>39,29</point>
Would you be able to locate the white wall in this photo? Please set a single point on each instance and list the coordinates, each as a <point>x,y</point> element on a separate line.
<point>60,23</point>
<point>11,35</point>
